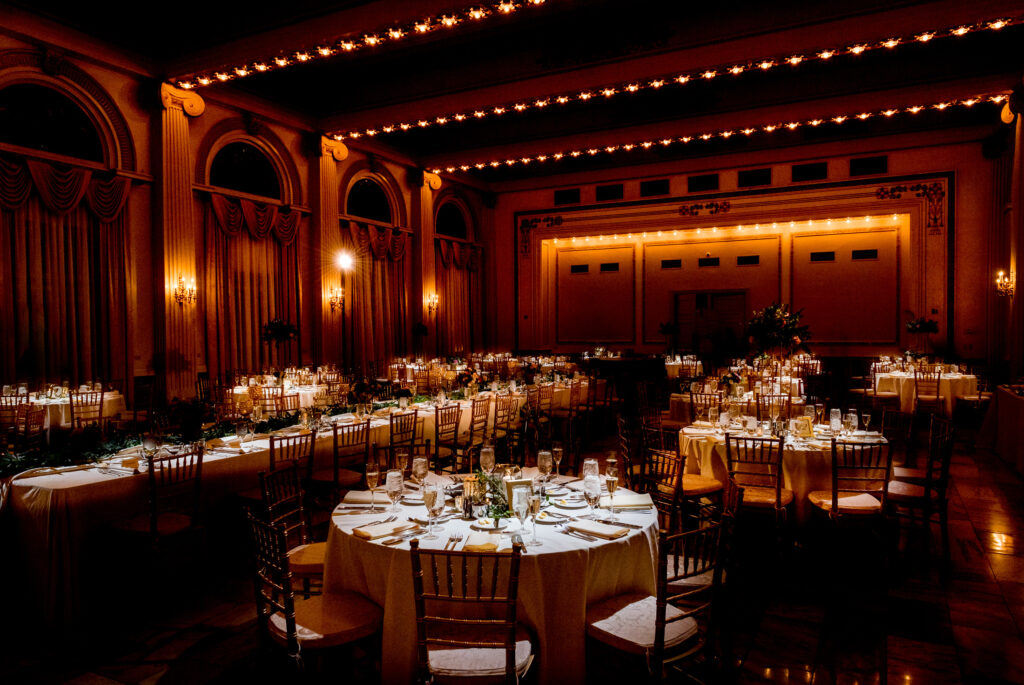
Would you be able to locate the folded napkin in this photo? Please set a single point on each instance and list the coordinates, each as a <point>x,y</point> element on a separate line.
<point>363,497</point>
<point>380,530</point>
<point>629,501</point>
<point>484,542</point>
<point>220,443</point>
<point>597,529</point>
<point>130,451</point>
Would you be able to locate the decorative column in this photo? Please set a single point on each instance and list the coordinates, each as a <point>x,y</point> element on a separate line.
<point>334,329</point>
<point>1015,342</point>
<point>182,349</point>
<point>424,270</point>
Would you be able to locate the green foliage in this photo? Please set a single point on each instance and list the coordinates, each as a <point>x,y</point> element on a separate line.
<point>776,329</point>
<point>279,331</point>
<point>495,486</point>
<point>922,325</point>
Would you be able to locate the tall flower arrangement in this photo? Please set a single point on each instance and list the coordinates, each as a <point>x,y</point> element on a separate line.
<point>776,330</point>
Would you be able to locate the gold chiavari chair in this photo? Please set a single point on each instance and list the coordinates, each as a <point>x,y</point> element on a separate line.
<point>421,378</point>
<point>287,404</point>
<point>927,397</point>
<point>175,481</point>
<point>756,465</point>
<point>29,431</point>
<point>351,452</point>
<point>403,428</point>
<point>860,482</point>
<point>283,499</point>
<point>86,409</point>
<point>918,494</point>
<point>701,403</point>
<point>294,447</point>
<point>9,405</point>
<point>446,436</point>
<point>772,406</point>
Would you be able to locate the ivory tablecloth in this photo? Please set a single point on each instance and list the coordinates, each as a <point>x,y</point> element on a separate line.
<point>950,387</point>
<point>58,412</point>
<point>558,580</point>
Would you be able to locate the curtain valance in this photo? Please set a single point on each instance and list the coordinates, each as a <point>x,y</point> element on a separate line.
<point>259,219</point>
<point>459,255</point>
<point>382,243</point>
<point>61,189</point>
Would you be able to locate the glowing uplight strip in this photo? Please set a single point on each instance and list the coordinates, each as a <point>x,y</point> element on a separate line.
<point>835,223</point>
<point>836,119</point>
<point>763,64</point>
<point>389,34</point>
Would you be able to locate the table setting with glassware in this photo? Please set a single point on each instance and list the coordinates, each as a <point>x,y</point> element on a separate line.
<point>953,383</point>
<point>57,400</point>
<point>584,539</point>
<point>807,445</point>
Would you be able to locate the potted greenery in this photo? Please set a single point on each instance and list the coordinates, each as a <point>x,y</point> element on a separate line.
<point>922,329</point>
<point>777,331</point>
<point>279,332</point>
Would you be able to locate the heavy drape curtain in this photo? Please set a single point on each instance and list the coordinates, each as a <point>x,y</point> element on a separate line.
<point>460,295</point>
<point>251,277</point>
<point>379,285</point>
<point>66,281</point>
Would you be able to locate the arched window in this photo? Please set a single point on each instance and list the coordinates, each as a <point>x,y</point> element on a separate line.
<point>41,118</point>
<point>244,167</point>
<point>451,221</point>
<point>368,200</point>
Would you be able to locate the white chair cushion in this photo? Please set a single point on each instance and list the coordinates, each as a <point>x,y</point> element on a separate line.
<point>330,619</point>
<point>478,662</point>
<point>626,622</point>
<point>849,502</point>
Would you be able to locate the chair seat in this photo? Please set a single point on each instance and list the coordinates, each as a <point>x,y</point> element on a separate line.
<point>764,497</point>
<point>626,622</point>
<point>678,585</point>
<point>307,560</point>
<point>909,474</point>
<point>476,662</point>
<point>849,502</point>
<point>885,394</point>
<point>931,398</point>
<point>167,523</point>
<point>902,492</point>
<point>695,484</point>
<point>347,478</point>
<point>330,619</point>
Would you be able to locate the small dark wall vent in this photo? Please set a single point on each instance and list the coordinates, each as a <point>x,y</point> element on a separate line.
<point>567,196</point>
<point>869,166</point>
<point>607,193</point>
<point>702,183</point>
<point>754,177</point>
<point>654,187</point>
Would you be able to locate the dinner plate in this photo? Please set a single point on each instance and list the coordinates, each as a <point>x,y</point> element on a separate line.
<point>565,503</point>
<point>488,524</point>
<point>547,519</point>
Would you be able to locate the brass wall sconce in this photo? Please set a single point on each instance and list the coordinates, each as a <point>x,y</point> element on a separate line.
<point>431,302</point>
<point>1004,284</point>
<point>185,294</point>
<point>337,299</point>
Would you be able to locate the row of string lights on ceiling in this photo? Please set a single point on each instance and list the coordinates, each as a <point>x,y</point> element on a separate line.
<point>876,222</point>
<point>745,131</point>
<point>391,34</point>
<point>764,64</point>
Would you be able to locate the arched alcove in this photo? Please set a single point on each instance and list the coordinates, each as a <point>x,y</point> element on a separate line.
<point>367,199</point>
<point>38,117</point>
<point>243,167</point>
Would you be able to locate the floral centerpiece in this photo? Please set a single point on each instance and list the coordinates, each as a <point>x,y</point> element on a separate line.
<point>494,487</point>
<point>922,325</point>
<point>777,331</point>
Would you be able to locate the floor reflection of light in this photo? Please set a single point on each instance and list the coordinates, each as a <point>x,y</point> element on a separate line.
<point>1001,542</point>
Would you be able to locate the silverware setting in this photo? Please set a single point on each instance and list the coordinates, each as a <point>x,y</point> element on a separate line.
<point>576,534</point>
<point>389,519</point>
<point>453,539</point>
<point>620,523</point>
<point>402,537</point>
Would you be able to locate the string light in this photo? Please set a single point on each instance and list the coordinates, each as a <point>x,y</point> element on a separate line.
<point>838,120</point>
<point>763,65</point>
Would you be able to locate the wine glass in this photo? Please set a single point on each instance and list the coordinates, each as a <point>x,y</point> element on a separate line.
<point>394,484</point>
<point>241,428</point>
<point>150,444</point>
<point>372,477</point>
<point>835,421</point>
<point>699,411</point>
<point>419,469</point>
<point>535,500</point>
<point>556,456</point>
<point>611,479</point>
<point>487,459</point>
<point>592,492</point>
<point>865,417</point>
<point>433,500</point>
<point>819,412</point>
<point>544,463</point>
<point>521,505</point>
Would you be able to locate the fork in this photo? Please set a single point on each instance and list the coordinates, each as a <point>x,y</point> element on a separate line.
<point>389,519</point>
<point>455,538</point>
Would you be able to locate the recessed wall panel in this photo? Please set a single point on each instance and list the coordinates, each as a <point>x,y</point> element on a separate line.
<point>598,305</point>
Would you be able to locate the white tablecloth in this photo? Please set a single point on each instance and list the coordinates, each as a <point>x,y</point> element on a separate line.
<point>950,387</point>
<point>672,369</point>
<point>558,580</point>
<point>58,412</point>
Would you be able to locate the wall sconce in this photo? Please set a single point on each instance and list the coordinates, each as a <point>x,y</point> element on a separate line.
<point>431,302</point>
<point>185,294</point>
<point>1004,284</point>
<point>337,299</point>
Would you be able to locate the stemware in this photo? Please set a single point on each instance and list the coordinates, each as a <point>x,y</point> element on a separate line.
<point>556,455</point>
<point>394,484</point>
<point>535,500</point>
<point>592,491</point>
<point>544,463</point>
<point>521,505</point>
<point>420,468</point>
<point>241,429</point>
<point>487,459</point>
<point>865,418</point>
<point>372,477</point>
<point>819,412</point>
<point>835,421</point>
<point>433,500</point>
<point>611,479</point>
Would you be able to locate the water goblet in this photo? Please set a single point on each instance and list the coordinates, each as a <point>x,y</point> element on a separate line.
<point>394,484</point>
<point>433,500</point>
<point>521,505</point>
<point>835,421</point>
<point>544,463</point>
<point>420,468</point>
<point>592,492</point>
<point>487,459</point>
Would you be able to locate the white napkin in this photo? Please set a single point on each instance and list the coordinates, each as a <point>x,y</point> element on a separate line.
<point>380,530</point>
<point>363,497</point>
<point>484,542</point>
<point>597,529</point>
<point>629,501</point>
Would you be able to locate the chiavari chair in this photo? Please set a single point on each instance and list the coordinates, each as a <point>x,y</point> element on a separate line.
<point>630,452</point>
<point>292,447</point>
<point>860,481</point>
<point>330,619</point>
<point>402,428</point>
<point>421,378</point>
<point>446,436</point>
<point>351,451</point>
<point>29,431</point>
<point>466,615</point>
<point>286,404</point>
<point>9,405</point>
<point>701,402</point>
<point>918,494</point>
<point>86,409</point>
<point>756,465</point>
<point>283,506</point>
<point>927,397</point>
<point>772,406</point>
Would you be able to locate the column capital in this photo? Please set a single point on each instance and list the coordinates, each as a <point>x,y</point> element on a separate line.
<point>432,181</point>
<point>334,148</point>
<point>186,100</point>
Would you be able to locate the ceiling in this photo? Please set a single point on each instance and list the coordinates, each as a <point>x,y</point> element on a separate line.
<point>563,47</point>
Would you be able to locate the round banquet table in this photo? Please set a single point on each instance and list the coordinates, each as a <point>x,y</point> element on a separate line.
<point>557,581</point>
<point>58,411</point>
<point>806,464</point>
<point>951,386</point>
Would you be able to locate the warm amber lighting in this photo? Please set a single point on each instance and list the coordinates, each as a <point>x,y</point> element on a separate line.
<point>1004,284</point>
<point>337,298</point>
<point>431,302</point>
<point>344,261</point>
<point>185,294</point>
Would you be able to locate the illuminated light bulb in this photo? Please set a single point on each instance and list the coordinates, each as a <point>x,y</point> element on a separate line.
<point>891,43</point>
<point>587,239</point>
<point>969,103</point>
<point>794,60</point>
<point>542,158</point>
<point>449,21</point>
<point>281,61</point>
<point>792,224</point>
<point>895,217</point>
<point>575,153</point>
<point>499,110</point>
<point>242,71</point>
<point>657,83</point>
<point>479,114</point>
<point>347,45</point>
<point>510,162</point>
<point>541,103</point>
<point>826,54</point>
<point>441,120</point>
<point>395,33</point>
<point>961,30</point>
<point>709,74</point>
<point>682,79</point>
<point>839,119</point>
<point>371,40</point>
<point>644,234</point>
<point>997,24</point>
<point>222,76</point>
<point>464,167</point>
<point>423,123</point>
<point>574,239</point>
<point>561,99</point>
<point>725,134</point>
<point>459,117</point>
<point>592,151</point>
<point>526,160</point>
<point>261,66</point>
<point>405,127</point>
<point>611,148</point>
<point>354,134</point>
<point>915,109</point>
<point>666,141</point>
<point>675,234</point>
<point>765,65</point>
<point>714,229</point>
<point>646,144</point>
<point>600,237</point>
<point>770,127</point>
<point>204,80</point>
<point>477,13</point>
<point>847,219</point>
<point>506,7</point>
<point>815,122</point>
<point>810,222</point>
<point>302,56</point>
<point>705,136</point>
<point>479,165</point>
<point>857,49</point>
<point>747,131</point>
<point>519,106</point>
<point>659,234</point>
<point>628,146</point>
<point>450,169</point>
<point>555,241</point>
<point>324,51</point>
<point>633,87</point>
<point>585,95</point>
<point>736,70</point>
<point>536,2</point>
<point>828,221</point>
<point>338,136</point>
<point>685,139</point>
<point>187,85</point>
<point>868,218</point>
<point>792,125</point>
<point>863,115</point>
<point>774,225</point>
<point>371,132</point>
<point>997,98</point>
<point>608,92</point>
<point>889,112</point>
<point>942,105</point>
<point>925,37</point>
<point>421,27</point>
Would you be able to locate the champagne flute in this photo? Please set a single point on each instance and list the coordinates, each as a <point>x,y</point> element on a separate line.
<point>819,412</point>
<point>521,505</point>
<point>395,484</point>
<point>372,477</point>
<point>611,479</point>
<point>544,463</point>
<point>865,417</point>
<point>592,492</point>
<point>433,500</point>
<point>535,500</point>
<point>556,456</point>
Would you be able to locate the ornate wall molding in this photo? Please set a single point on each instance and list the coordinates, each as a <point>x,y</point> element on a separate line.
<point>186,100</point>
<point>333,148</point>
<point>933,193</point>
<point>527,225</point>
<point>698,208</point>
